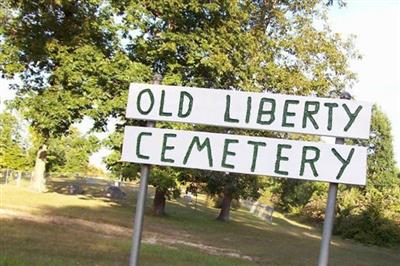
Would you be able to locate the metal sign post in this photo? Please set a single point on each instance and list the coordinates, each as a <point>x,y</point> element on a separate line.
<point>141,202</point>
<point>330,210</point>
<point>329,219</point>
<point>140,206</point>
<point>331,163</point>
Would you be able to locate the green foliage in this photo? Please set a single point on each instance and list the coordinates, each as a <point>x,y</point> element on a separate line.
<point>368,214</point>
<point>70,62</point>
<point>248,45</point>
<point>70,153</point>
<point>369,221</point>
<point>245,45</point>
<point>241,186</point>
<point>125,171</point>
<point>293,195</point>
<point>92,170</point>
<point>314,209</point>
<point>382,171</point>
<point>76,59</point>
<point>375,209</point>
<point>13,147</point>
<point>165,179</point>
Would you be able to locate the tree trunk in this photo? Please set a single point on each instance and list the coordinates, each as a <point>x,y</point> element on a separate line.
<point>226,205</point>
<point>38,175</point>
<point>159,202</point>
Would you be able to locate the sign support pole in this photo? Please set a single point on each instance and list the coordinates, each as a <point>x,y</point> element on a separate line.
<point>330,210</point>
<point>328,221</point>
<point>141,202</point>
<point>140,206</point>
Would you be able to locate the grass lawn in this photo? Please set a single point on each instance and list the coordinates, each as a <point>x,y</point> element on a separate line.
<point>57,229</point>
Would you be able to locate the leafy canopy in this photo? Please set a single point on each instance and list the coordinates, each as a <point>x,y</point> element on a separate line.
<point>13,146</point>
<point>76,58</point>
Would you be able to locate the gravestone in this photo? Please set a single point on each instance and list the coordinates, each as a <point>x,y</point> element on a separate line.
<point>114,192</point>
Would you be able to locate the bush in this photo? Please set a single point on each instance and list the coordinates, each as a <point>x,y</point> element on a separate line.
<point>369,218</point>
<point>315,208</point>
<point>369,227</point>
<point>293,195</point>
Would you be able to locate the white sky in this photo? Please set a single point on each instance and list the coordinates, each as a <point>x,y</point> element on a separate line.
<point>376,23</point>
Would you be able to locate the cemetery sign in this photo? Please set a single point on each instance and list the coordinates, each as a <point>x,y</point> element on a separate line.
<point>245,154</point>
<point>261,111</point>
<point>313,161</point>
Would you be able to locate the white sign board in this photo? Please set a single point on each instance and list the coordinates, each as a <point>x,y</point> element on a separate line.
<point>237,109</point>
<point>246,154</point>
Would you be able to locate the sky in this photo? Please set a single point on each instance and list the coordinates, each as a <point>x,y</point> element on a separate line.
<point>376,24</point>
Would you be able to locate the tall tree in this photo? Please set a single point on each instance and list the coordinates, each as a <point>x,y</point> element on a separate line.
<point>70,153</point>
<point>165,179</point>
<point>256,46</point>
<point>371,214</point>
<point>73,56</point>
<point>382,171</point>
<point>70,62</point>
<point>13,147</point>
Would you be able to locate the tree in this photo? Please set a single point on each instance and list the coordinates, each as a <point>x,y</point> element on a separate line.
<point>246,45</point>
<point>13,147</point>
<point>120,170</point>
<point>70,153</point>
<point>70,62</point>
<point>382,171</point>
<point>371,214</point>
<point>233,186</point>
<point>77,59</point>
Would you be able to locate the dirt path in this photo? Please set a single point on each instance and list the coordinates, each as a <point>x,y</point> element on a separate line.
<point>115,230</point>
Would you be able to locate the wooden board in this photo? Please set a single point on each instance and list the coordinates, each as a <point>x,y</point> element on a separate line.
<point>262,111</point>
<point>245,154</point>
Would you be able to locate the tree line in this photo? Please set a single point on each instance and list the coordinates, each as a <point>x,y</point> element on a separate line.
<point>75,59</point>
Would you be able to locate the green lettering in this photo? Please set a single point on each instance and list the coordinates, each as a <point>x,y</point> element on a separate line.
<point>227,152</point>
<point>344,162</point>
<point>280,158</point>
<point>248,111</point>
<point>255,144</point>
<point>227,117</point>
<point>139,100</point>
<point>286,113</point>
<point>330,113</point>
<point>139,140</point>
<point>181,101</point>
<point>310,161</point>
<point>352,116</point>
<point>165,147</point>
<point>200,147</point>
<point>262,112</point>
<point>162,113</point>
<point>308,114</point>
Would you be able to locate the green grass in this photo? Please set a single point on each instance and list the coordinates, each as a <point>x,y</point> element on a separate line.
<point>151,255</point>
<point>285,242</point>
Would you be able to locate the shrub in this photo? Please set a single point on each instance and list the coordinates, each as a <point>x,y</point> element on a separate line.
<point>370,219</point>
<point>315,208</point>
<point>369,227</point>
<point>293,195</point>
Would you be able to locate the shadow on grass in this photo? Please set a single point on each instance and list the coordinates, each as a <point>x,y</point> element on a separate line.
<point>96,189</point>
<point>28,243</point>
<point>282,243</point>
